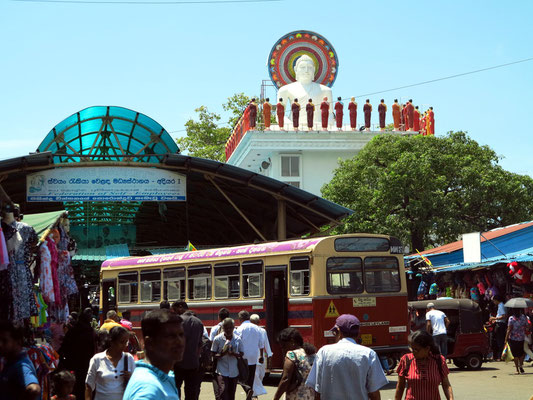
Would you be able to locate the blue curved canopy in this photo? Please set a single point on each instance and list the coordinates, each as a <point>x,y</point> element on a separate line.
<point>107,133</point>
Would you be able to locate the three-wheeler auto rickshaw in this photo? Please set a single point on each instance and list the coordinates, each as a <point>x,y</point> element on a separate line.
<point>467,341</point>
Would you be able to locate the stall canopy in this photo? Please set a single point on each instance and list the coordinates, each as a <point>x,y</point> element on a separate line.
<point>225,205</point>
<point>43,221</point>
<point>502,245</point>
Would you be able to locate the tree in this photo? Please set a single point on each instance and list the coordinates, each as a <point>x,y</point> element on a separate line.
<point>205,137</point>
<point>428,190</point>
<point>236,105</point>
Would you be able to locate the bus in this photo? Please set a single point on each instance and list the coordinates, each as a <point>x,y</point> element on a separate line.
<point>303,284</point>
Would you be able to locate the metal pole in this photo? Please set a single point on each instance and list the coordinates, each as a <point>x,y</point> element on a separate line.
<point>282,220</point>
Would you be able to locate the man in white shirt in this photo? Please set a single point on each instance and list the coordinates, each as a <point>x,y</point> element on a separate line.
<point>346,370</point>
<point>252,340</point>
<point>260,369</point>
<point>436,323</point>
<point>223,313</point>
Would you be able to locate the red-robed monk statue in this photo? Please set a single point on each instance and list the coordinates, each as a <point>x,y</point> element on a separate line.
<point>280,111</point>
<point>367,110</point>
<point>410,116</point>
<point>324,113</point>
<point>295,108</point>
<point>352,108</point>
<point>252,107</point>
<point>431,121</point>
<point>382,111</point>
<point>310,110</point>
<point>267,112</point>
<point>404,118</point>
<point>339,113</point>
<point>396,115</point>
<point>416,121</point>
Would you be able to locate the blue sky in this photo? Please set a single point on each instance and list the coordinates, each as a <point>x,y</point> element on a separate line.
<point>166,60</point>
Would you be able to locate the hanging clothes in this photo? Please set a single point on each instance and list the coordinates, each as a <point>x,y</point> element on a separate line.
<point>53,264</point>
<point>24,305</point>
<point>46,281</point>
<point>41,319</point>
<point>4,256</point>
<point>66,275</point>
<point>6,297</point>
<point>45,360</point>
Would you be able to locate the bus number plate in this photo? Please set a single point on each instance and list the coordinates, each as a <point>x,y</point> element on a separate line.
<point>364,301</point>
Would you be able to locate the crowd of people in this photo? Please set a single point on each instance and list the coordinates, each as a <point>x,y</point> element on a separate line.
<point>100,363</point>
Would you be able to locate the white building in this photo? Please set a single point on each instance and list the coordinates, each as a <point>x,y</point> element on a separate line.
<point>303,159</point>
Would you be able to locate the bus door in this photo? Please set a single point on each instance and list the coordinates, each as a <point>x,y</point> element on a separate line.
<point>276,310</point>
<point>109,296</point>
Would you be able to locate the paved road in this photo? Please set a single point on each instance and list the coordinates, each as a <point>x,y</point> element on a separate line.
<point>494,381</point>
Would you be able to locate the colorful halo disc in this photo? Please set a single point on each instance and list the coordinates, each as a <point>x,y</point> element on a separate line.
<point>292,46</point>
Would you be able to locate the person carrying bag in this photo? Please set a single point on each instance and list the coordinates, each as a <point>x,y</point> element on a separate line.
<point>110,370</point>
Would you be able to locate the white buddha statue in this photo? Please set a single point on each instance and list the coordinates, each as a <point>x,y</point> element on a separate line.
<point>304,89</point>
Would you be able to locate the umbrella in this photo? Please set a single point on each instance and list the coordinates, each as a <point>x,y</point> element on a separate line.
<point>519,302</point>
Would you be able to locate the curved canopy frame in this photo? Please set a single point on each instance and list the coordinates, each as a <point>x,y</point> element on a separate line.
<point>107,133</point>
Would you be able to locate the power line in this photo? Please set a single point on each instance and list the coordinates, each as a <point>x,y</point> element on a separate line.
<point>145,2</point>
<point>446,77</point>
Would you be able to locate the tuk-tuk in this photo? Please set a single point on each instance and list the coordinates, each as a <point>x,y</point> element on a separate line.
<point>467,341</point>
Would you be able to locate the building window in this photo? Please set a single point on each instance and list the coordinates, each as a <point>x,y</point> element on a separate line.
<point>199,282</point>
<point>290,166</point>
<point>127,287</point>
<point>299,282</point>
<point>252,278</point>
<point>227,281</point>
<point>174,283</point>
<point>151,286</point>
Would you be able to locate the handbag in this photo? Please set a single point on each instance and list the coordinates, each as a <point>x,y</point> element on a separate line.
<point>296,378</point>
<point>242,364</point>
<point>506,354</point>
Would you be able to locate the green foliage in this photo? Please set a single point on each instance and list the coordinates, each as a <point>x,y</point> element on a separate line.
<point>236,105</point>
<point>204,137</point>
<point>428,190</point>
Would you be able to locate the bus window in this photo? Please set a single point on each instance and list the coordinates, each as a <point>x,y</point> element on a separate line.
<point>174,283</point>
<point>344,275</point>
<point>227,281</point>
<point>361,244</point>
<point>199,282</point>
<point>299,282</point>
<point>151,286</point>
<point>382,274</point>
<point>252,278</point>
<point>127,287</point>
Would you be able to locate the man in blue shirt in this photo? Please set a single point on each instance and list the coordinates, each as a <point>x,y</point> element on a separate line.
<point>346,370</point>
<point>164,343</point>
<point>18,379</point>
<point>500,327</point>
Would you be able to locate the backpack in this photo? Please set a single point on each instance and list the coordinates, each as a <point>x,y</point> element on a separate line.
<point>206,355</point>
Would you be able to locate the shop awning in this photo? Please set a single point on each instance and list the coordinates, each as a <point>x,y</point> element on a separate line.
<point>525,255</point>
<point>102,253</point>
<point>42,221</point>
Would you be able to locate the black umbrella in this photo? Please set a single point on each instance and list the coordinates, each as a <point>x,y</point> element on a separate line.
<point>519,302</point>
